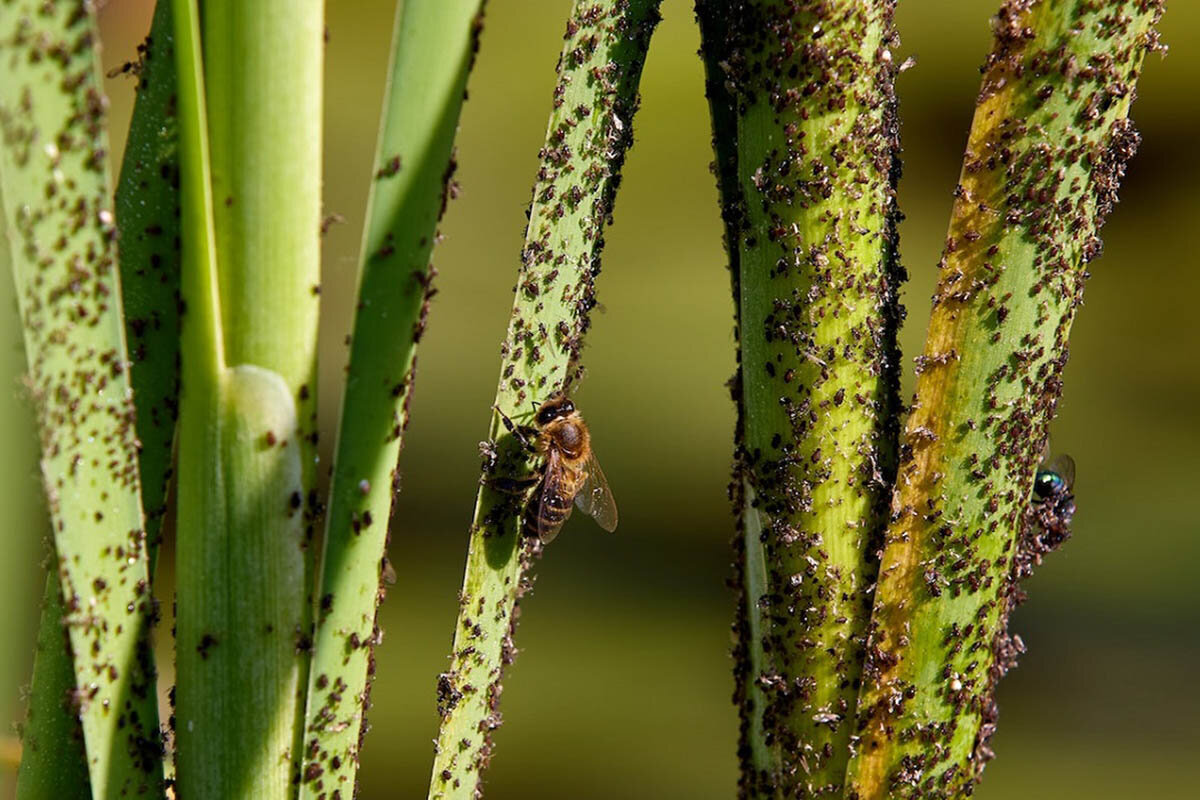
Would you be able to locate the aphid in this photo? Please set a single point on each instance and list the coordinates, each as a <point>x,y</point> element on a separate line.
<point>489,456</point>
<point>570,472</point>
<point>1053,502</point>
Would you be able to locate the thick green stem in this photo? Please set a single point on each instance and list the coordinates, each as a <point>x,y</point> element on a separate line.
<point>433,47</point>
<point>60,225</point>
<point>263,66</point>
<point>1046,151</point>
<point>812,219</point>
<point>245,502</point>
<point>147,205</point>
<point>589,131</point>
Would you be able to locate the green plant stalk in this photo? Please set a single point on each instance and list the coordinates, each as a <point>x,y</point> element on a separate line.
<point>433,48</point>
<point>147,206</point>
<point>813,220</point>
<point>264,71</point>
<point>589,131</point>
<point>59,222</point>
<point>1045,154</point>
<point>53,762</point>
<point>243,606</point>
<point>263,66</point>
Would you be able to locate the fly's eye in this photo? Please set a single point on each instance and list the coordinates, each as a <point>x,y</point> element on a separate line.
<point>567,407</point>
<point>546,416</point>
<point>1046,484</point>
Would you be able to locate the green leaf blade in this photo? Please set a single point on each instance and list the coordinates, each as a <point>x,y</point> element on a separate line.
<point>147,206</point>
<point>53,762</point>
<point>433,47</point>
<point>60,224</point>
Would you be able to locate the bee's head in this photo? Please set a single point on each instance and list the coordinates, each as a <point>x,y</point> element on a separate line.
<point>555,407</point>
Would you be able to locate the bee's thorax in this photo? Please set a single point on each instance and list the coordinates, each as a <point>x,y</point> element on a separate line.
<point>567,436</point>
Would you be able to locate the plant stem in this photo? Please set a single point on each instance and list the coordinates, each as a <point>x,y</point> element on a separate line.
<point>1046,151</point>
<point>812,219</point>
<point>433,48</point>
<point>589,131</point>
<point>147,205</point>
<point>59,221</point>
<point>246,413</point>
<point>263,66</point>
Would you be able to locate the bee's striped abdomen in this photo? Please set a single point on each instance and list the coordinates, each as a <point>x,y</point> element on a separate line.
<point>553,503</point>
<point>550,513</point>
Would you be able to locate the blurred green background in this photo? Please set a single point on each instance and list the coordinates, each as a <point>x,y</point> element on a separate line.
<point>623,685</point>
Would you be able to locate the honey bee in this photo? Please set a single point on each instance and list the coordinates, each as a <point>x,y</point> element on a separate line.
<point>571,472</point>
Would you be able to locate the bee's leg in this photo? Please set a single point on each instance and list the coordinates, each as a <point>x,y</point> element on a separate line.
<point>510,485</point>
<point>516,430</point>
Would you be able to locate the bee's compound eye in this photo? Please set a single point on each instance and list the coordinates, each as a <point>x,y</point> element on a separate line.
<point>553,409</point>
<point>549,412</point>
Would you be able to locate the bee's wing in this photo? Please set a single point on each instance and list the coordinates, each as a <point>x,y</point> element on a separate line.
<point>595,498</point>
<point>551,499</point>
<point>1064,465</point>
